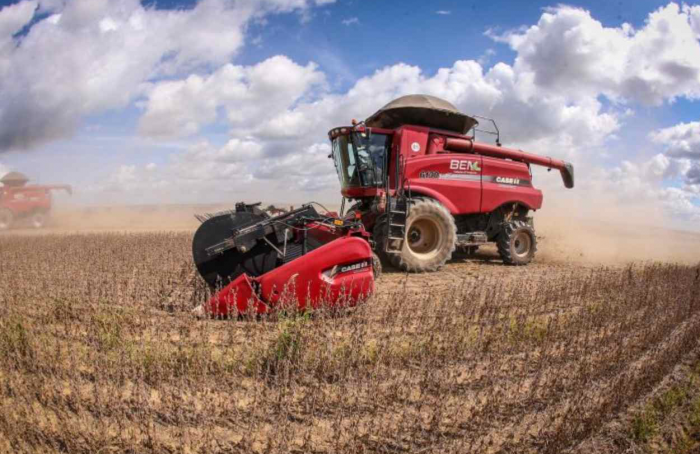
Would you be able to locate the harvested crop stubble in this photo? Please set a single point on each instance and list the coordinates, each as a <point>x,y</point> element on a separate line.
<point>100,353</point>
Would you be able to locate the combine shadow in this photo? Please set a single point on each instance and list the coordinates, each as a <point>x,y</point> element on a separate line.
<point>486,257</point>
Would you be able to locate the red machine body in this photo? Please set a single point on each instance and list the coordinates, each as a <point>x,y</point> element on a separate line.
<point>27,199</point>
<point>19,200</point>
<point>301,259</point>
<point>465,176</point>
<point>420,152</point>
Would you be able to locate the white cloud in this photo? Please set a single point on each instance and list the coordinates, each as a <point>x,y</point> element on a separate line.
<point>570,52</point>
<point>485,58</point>
<point>13,18</point>
<point>278,112</point>
<point>96,55</point>
<point>92,56</point>
<point>49,6</point>
<point>143,182</point>
<point>247,94</point>
<point>681,144</point>
<point>680,141</point>
<point>125,175</point>
<point>310,170</point>
<point>350,21</point>
<point>680,204</point>
<point>638,187</point>
<point>443,12</point>
<point>500,93</point>
<point>202,173</point>
<point>694,12</point>
<point>692,176</point>
<point>235,151</point>
<point>278,120</point>
<point>632,193</point>
<point>206,169</point>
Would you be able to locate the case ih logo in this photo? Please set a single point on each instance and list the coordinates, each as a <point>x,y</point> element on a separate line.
<point>506,180</point>
<point>465,166</point>
<point>353,267</point>
<point>328,275</point>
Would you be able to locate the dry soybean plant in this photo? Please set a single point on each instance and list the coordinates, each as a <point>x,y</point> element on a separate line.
<point>100,353</point>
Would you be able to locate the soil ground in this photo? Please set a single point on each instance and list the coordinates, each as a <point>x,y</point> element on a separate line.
<point>101,353</point>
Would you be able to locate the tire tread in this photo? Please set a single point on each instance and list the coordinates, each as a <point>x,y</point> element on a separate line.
<point>504,242</point>
<point>404,261</point>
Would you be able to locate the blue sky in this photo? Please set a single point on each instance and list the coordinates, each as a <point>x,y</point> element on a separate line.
<point>106,137</point>
<point>429,34</point>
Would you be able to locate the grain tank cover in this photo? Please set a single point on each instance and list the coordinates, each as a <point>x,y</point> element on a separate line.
<point>14,179</point>
<point>421,110</point>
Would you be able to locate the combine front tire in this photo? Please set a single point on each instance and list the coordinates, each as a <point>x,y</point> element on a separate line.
<point>376,266</point>
<point>38,220</point>
<point>6,219</point>
<point>431,238</point>
<point>517,243</point>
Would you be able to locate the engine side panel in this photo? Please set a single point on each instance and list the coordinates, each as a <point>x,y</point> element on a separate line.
<point>507,181</point>
<point>465,183</point>
<point>454,180</point>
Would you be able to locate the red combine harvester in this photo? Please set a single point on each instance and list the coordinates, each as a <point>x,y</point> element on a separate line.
<point>20,201</point>
<point>421,187</point>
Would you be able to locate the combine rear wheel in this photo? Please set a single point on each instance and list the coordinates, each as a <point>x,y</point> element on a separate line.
<point>517,243</point>
<point>431,238</point>
<point>6,219</point>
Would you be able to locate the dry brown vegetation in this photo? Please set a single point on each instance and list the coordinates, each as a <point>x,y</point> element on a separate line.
<point>99,353</point>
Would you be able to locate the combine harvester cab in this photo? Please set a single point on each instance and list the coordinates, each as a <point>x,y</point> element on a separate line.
<point>298,260</point>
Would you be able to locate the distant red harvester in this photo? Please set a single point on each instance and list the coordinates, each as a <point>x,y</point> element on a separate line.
<point>421,187</point>
<point>20,201</point>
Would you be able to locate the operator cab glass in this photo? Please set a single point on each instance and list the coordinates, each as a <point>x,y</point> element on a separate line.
<point>360,159</point>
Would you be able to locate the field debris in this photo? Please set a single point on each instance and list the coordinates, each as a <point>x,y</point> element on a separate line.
<point>100,352</point>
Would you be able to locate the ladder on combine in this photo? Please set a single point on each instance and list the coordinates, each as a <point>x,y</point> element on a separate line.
<point>397,213</point>
<point>397,209</point>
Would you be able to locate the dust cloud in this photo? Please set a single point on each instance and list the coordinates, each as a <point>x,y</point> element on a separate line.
<point>571,239</point>
<point>568,229</point>
<point>134,218</point>
<point>126,218</point>
<point>596,228</point>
